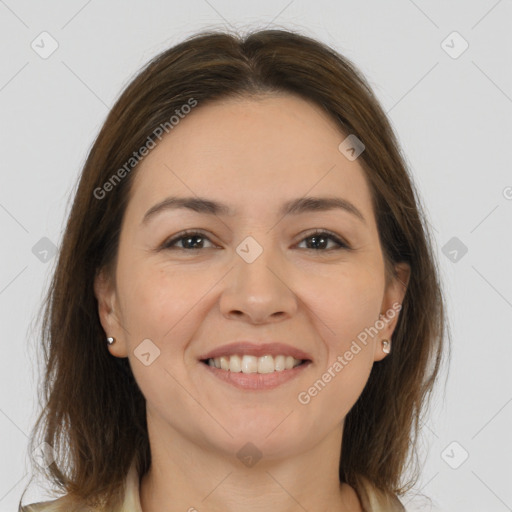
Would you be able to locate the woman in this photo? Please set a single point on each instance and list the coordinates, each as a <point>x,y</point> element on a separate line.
<point>246,313</point>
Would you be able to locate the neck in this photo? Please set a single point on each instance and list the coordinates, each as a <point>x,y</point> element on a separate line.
<point>188,477</point>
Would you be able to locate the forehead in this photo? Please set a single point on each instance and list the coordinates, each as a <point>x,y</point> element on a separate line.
<point>248,152</point>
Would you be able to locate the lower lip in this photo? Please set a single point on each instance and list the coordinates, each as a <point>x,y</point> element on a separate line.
<point>256,381</point>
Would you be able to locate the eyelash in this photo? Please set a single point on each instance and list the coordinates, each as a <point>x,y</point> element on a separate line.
<point>168,244</point>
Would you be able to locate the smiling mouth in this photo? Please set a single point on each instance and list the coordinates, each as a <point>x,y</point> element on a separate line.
<point>252,364</point>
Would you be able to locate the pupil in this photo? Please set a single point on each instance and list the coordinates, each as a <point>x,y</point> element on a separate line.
<point>315,238</point>
<point>188,239</point>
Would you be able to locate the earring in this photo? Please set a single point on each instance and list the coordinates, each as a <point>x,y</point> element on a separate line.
<point>386,347</point>
<point>110,340</point>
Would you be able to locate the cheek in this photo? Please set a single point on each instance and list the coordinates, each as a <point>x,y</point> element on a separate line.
<point>345,303</point>
<point>348,309</point>
<point>159,305</point>
<point>349,305</point>
<point>156,301</point>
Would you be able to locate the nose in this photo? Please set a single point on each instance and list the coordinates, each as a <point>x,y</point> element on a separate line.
<point>258,292</point>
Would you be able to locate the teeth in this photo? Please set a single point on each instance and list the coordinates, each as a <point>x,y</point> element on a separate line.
<point>224,363</point>
<point>280,362</point>
<point>249,364</point>
<point>266,364</point>
<point>253,364</point>
<point>235,364</point>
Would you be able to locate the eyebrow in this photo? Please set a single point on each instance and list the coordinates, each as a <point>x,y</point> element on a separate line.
<point>292,207</point>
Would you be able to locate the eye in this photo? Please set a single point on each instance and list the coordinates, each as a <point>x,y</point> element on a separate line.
<point>193,240</point>
<point>320,239</point>
<point>190,238</point>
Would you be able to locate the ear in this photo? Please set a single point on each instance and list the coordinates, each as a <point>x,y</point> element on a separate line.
<point>391,306</point>
<point>105,292</point>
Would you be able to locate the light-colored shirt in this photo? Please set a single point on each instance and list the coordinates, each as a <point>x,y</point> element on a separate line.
<point>372,499</point>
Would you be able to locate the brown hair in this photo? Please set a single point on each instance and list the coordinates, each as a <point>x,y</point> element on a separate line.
<point>94,413</point>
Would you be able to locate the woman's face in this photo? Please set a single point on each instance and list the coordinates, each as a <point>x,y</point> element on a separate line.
<point>253,273</point>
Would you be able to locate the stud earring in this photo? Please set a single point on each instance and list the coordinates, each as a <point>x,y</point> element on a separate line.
<point>110,340</point>
<point>386,347</point>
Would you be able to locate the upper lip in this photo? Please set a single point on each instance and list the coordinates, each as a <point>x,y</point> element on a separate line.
<point>242,348</point>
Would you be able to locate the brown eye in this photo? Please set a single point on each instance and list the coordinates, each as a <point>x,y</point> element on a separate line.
<point>191,240</point>
<point>320,239</point>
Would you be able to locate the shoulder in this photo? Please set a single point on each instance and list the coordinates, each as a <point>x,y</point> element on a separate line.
<point>129,499</point>
<point>375,500</point>
<point>41,506</point>
<point>61,504</point>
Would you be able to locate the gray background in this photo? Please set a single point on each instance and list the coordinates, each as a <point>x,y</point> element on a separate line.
<point>452,112</point>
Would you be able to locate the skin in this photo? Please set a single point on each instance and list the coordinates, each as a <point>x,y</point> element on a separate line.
<point>253,154</point>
